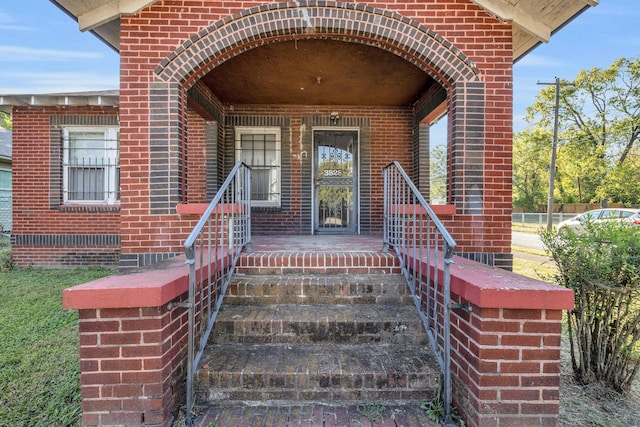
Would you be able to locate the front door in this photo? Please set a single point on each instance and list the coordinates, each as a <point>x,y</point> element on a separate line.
<point>335,181</point>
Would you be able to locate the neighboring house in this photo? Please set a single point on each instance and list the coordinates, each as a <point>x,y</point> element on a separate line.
<point>5,181</point>
<point>301,92</point>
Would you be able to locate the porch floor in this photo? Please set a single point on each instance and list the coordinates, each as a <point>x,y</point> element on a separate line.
<point>317,243</point>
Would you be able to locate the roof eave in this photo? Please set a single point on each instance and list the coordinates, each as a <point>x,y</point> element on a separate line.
<point>105,32</point>
<point>99,98</point>
<point>526,52</point>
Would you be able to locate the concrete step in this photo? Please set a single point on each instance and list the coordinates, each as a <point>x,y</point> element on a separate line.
<point>326,372</point>
<point>253,289</point>
<point>290,414</point>
<point>342,324</point>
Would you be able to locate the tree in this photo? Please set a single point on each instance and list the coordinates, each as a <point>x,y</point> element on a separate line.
<point>599,131</point>
<point>438,173</point>
<point>5,121</point>
<point>531,168</point>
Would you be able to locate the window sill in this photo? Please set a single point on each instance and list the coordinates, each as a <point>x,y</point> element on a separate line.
<point>90,208</point>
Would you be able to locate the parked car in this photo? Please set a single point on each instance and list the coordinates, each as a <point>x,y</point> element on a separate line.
<point>631,216</point>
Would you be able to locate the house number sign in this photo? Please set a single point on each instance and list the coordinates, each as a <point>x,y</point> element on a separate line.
<point>332,172</point>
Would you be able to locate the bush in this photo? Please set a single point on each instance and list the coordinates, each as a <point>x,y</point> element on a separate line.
<point>6,262</point>
<point>602,266</point>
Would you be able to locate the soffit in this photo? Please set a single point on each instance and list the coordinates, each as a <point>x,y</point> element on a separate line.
<point>534,21</point>
<point>318,72</point>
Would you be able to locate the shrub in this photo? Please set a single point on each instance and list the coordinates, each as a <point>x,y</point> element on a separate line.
<point>602,266</point>
<point>6,262</point>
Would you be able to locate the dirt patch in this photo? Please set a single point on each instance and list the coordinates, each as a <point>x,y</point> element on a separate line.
<point>594,404</point>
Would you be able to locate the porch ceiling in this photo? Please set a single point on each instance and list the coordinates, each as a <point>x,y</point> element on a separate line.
<point>533,21</point>
<point>317,72</point>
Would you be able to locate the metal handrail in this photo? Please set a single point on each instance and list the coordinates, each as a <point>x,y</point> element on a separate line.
<point>422,244</point>
<point>212,250</point>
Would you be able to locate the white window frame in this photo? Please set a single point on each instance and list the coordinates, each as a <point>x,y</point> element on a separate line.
<point>244,130</point>
<point>111,153</point>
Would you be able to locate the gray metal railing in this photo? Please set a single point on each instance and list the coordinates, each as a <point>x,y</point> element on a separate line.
<point>423,246</point>
<point>212,250</point>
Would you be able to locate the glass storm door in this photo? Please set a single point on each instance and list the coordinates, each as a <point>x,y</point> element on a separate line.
<point>335,179</point>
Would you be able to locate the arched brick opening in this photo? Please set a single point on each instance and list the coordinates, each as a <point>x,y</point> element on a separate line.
<point>355,23</point>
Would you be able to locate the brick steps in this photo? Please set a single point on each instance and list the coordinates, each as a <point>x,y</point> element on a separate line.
<point>344,262</point>
<point>316,372</point>
<point>342,324</point>
<point>316,339</point>
<point>318,289</point>
<point>290,414</point>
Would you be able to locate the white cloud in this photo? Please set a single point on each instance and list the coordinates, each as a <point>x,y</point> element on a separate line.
<point>22,54</point>
<point>12,27</point>
<point>8,23</point>
<point>54,82</point>
<point>533,60</point>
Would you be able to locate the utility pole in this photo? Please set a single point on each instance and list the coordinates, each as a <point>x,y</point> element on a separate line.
<point>554,146</point>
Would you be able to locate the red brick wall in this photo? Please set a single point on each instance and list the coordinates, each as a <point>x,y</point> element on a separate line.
<point>505,350</point>
<point>196,157</point>
<point>391,139</point>
<point>506,366</point>
<point>39,216</point>
<point>159,30</point>
<point>131,363</point>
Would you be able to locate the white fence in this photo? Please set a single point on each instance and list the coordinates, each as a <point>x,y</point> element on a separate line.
<point>538,218</point>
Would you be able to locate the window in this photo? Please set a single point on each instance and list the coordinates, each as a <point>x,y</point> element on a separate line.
<point>259,148</point>
<point>5,181</point>
<point>91,166</point>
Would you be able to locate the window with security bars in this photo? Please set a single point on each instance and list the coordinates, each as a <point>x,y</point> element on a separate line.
<point>259,148</point>
<point>91,164</point>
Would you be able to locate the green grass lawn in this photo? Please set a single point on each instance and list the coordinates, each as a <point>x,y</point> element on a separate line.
<point>39,365</point>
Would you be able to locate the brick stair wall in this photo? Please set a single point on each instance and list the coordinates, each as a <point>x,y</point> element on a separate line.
<point>133,342</point>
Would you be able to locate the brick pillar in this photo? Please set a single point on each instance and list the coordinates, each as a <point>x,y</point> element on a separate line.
<point>128,365</point>
<point>505,352</point>
<point>506,365</point>
<point>132,346</point>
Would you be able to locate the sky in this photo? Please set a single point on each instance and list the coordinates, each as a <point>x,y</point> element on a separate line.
<point>43,51</point>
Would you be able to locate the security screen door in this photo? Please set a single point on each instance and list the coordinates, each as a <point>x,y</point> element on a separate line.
<point>335,181</point>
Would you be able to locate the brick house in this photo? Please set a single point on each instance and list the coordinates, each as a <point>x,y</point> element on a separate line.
<point>317,97</point>
<point>283,87</point>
